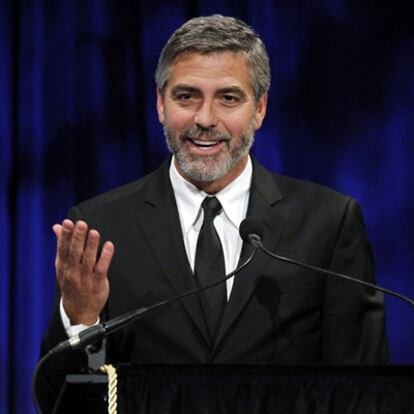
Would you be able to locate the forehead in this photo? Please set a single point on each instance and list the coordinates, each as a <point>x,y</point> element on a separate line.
<point>209,71</point>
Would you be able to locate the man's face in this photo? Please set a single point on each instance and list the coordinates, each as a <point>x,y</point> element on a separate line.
<point>210,115</point>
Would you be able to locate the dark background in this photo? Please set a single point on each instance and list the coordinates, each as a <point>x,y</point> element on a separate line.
<point>77,117</point>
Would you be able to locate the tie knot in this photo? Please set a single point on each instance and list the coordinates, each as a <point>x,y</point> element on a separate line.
<point>211,207</point>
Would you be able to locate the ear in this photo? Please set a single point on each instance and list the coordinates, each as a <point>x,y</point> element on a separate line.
<point>261,110</point>
<point>160,106</point>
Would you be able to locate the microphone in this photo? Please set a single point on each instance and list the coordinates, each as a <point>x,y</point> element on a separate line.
<point>98,332</point>
<point>252,230</point>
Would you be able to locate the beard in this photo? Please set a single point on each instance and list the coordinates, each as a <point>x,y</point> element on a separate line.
<point>208,168</point>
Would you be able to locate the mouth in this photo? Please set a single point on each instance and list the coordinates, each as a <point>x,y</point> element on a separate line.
<point>204,143</point>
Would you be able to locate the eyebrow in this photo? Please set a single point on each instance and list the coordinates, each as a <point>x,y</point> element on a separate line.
<point>184,88</point>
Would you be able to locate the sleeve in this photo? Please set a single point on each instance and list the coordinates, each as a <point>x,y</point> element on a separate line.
<point>72,330</point>
<point>52,374</point>
<point>353,315</point>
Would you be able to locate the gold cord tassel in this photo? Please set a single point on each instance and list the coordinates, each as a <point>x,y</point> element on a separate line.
<point>112,387</point>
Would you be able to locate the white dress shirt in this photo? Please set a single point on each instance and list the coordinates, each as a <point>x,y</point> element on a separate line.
<point>234,199</point>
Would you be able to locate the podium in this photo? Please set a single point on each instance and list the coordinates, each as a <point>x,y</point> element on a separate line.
<point>216,389</point>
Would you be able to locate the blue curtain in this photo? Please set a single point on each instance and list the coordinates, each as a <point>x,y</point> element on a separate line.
<point>77,117</point>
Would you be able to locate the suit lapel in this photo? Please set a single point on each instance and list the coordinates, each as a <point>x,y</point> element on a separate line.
<point>263,196</point>
<point>161,225</point>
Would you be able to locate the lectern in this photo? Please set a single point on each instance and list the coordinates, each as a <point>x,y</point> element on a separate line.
<point>215,389</point>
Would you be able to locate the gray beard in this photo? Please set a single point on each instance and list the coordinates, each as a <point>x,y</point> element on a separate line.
<point>207,169</point>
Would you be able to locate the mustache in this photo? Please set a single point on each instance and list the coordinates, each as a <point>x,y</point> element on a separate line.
<point>195,132</point>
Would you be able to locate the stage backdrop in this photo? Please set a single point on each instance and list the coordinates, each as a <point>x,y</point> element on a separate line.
<point>77,117</point>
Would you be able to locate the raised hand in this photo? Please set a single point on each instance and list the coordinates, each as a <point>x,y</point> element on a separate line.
<point>81,275</point>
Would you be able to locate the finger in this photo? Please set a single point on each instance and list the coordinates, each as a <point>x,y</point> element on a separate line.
<point>63,241</point>
<point>90,253</point>
<point>77,243</point>
<point>57,229</point>
<point>105,259</point>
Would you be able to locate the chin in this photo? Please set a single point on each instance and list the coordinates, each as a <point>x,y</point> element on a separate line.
<point>204,171</point>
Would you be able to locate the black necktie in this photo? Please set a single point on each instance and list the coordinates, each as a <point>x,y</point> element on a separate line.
<point>209,265</point>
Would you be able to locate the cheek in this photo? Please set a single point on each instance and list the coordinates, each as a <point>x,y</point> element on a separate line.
<point>237,124</point>
<point>177,118</point>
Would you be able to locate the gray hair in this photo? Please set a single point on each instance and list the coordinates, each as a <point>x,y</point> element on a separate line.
<point>215,34</point>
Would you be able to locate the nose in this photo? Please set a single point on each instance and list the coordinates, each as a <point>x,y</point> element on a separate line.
<point>205,117</point>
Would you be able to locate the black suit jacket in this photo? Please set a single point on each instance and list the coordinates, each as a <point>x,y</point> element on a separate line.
<point>278,313</point>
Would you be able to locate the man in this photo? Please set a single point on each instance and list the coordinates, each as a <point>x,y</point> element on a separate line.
<point>212,81</point>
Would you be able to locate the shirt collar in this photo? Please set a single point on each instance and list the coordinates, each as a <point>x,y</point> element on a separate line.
<point>189,197</point>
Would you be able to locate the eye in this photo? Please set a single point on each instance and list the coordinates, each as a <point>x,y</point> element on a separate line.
<point>230,99</point>
<point>185,96</point>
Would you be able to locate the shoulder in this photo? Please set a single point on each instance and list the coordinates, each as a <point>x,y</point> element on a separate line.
<point>118,194</point>
<point>289,189</point>
<point>126,197</point>
<point>307,189</point>
<point>303,201</point>
<point>324,204</point>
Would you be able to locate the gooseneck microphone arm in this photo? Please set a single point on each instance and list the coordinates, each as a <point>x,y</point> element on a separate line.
<point>98,332</point>
<point>252,234</point>
<point>339,275</point>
